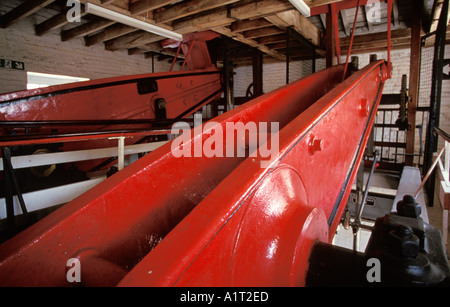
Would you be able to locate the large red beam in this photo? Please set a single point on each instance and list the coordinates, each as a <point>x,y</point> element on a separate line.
<point>216,221</point>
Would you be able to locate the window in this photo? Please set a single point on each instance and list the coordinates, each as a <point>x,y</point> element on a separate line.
<point>37,80</point>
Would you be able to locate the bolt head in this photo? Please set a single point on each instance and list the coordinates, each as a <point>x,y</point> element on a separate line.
<point>315,144</point>
<point>404,242</point>
<point>408,207</point>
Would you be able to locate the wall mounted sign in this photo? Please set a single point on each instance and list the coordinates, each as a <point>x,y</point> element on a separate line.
<point>12,64</point>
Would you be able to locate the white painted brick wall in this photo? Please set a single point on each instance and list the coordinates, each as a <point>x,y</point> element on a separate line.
<point>48,54</point>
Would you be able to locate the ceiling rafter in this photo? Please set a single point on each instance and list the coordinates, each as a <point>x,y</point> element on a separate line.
<point>111,32</point>
<point>143,6</point>
<point>186,8</point>
<point>24,10</point>
<point>85,29</point>
<point>55,22</point>
<point>260,24</point>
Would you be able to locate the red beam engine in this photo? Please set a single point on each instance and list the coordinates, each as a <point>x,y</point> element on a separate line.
<point>206,221</point>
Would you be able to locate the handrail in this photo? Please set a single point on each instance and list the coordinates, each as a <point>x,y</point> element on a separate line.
<point>442,134</point>
<point>446,137</point>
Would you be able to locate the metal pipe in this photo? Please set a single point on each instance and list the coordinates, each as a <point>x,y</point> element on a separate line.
<point>390,5</point>
<point>357,222</point>
<point>187,55</point>
<point>429,172</point>
<point>334,19</point>
<point>176,57</point>
<point>442,134</point>
<point>351,42</point>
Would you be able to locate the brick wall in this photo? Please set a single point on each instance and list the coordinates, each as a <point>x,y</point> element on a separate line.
<point>48,54</point>
<point>275,77</point>
<point>275,73</point>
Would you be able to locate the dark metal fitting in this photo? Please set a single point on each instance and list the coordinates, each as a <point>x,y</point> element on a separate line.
<point>408,207</point>
<point>404,242</point>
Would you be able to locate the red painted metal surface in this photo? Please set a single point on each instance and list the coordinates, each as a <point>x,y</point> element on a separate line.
<point>167,95</point>
<point>114,98</point>
<point>167,221</point>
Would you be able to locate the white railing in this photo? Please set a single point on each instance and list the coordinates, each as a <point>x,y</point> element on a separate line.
<point>444,174</point>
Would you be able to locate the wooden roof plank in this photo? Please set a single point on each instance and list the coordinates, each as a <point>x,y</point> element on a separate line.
<point>187,8</point>
<point>85,29</point>
<point>143,6</point>
<point>109,33</point>
<point>250,24</point>
<point>24,10</point>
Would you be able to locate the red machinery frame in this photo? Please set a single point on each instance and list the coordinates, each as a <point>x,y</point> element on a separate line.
<point>167,221</point>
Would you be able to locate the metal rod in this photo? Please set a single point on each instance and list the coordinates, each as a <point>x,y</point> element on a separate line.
<point>356,225</point>
<point>176,57</point>
<point>187,55</point>
<point>351,42</point>
<point>429,172</point>
<point>442,134</point>
<point>390,4</point>
<point>153,62</point>
<point>366,192</point>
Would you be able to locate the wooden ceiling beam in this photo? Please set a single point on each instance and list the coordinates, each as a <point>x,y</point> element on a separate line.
<point>241,38</point>
<point>300,24</point>
<point>54,22</point>
<point>24,10</point>
<point>314,3</point>
<point>135,39</point>
<point>109,33</point>
<point>85,29</point>
<point>263,32</point>
<point>377,37</point>
<point>251,24</point>
<point>187,8</point>
<point>283,45</point>
<point>203,21</point>
<point>143,6</point>
<point>272,39</point>
<point>378,41</point>
<point>260,9</point>
<point>136,50</point>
